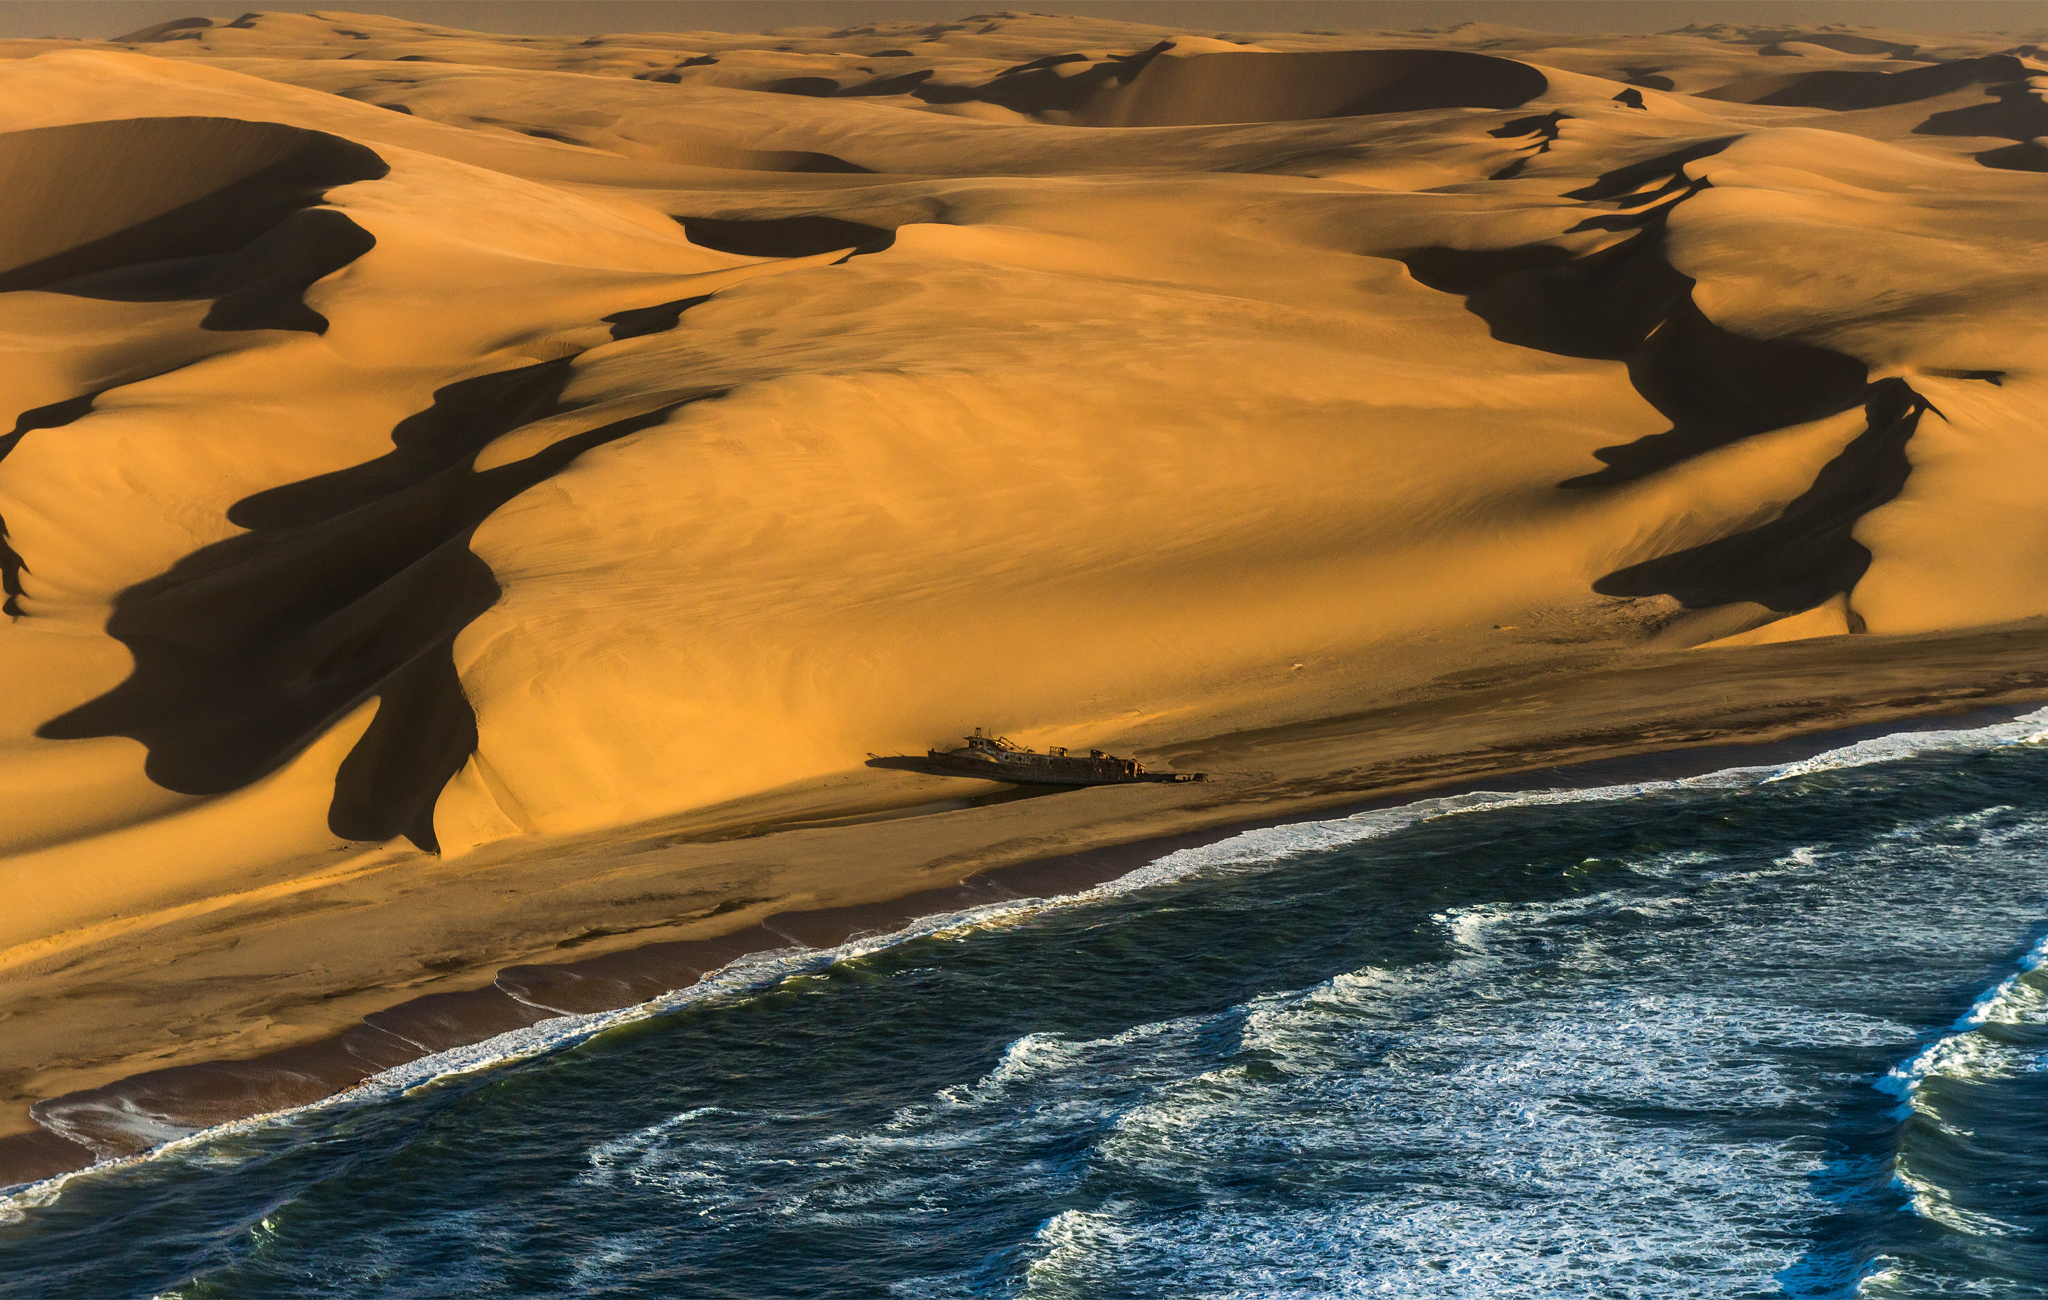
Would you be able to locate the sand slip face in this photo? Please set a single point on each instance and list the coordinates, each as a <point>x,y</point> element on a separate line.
<point>434,438</point>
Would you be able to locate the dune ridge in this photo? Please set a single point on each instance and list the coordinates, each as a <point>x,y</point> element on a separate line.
<point>431,456</point>
<point>182,209</point>
<point>1626,302</point>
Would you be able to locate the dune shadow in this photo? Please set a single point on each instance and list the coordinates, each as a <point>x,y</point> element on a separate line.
<point>804,236</point>
<point>1035,88</point>
<point>344,586</point>
<point>1541,131</point>
<point>702,153</point>
<point>1807,554</point>
<point>1849,43</point>
<point>174,209</point>
<point>54,416</point>
<point>638,322</point>
<point>1850,90</point>
<point>828,87</point>
<point>1144,89</point>
<point>1627,303</point>
<point>2015,113</point>
<point>2026,156</point>
<point>689,148</point>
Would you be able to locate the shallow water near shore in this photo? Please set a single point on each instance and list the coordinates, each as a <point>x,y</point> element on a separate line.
<point>1770,1031</point>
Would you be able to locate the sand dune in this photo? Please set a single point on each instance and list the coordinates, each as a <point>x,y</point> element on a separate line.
<point>429,449</point>
<point>98,197</point>
<point>1160,88</point>
<point>1844,90</point>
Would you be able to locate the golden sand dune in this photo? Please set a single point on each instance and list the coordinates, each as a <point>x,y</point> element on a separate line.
<point>464,491</point>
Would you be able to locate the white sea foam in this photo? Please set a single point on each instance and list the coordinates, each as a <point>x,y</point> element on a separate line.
<point>1258,849</point>
<point>1521,1181</point>
<point>2013,1000</point>
<point>2027,729</point>
<point>1523,1099</point>
<point>1515,1101</point>
<point>1891,1275</point>
<point>1967,1055</point>
<point>1542,1106</point>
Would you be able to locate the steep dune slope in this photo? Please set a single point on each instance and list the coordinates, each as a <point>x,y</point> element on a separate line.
<point>100,197</point>
<point>154,495</point>
<point>421,440</point>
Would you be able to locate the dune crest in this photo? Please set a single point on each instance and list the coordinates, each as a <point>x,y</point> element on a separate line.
<point>425,449</point>
<point>344,586</point>
<point>94,203</point>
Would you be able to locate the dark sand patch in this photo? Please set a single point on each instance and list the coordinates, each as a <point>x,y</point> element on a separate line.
<point>786,236</point>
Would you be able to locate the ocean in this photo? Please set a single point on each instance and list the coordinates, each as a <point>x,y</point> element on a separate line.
<point>1772,1031</point>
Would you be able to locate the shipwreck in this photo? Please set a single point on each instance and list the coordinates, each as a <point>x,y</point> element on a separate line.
<point>997,758</point>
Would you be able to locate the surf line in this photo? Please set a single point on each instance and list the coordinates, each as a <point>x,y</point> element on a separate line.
<point>1904,1080</point>
<point>1951,1052</point>
<point>1267,847</point>
<point>753,973</point>
<point>1256,848</point>
<point>1951,1055</point>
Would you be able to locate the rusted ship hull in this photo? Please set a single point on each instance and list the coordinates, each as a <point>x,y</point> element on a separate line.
<point>995,759</point>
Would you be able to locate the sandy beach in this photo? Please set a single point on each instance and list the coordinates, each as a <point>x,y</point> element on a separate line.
<point>476,505</point>
<point>223,1021</point>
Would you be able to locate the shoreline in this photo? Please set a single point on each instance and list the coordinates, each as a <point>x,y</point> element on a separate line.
<point>208,1093</point>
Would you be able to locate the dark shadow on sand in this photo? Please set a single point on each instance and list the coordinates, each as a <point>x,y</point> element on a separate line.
<point>253,246</point>
<point>1850,90</point>
<point>1807,554</point>
<point>345,586</point>
<point>1144,90</point>
<point>1005,791</point>
<point>786,236</point>
<point>1627,303</point>
<point>54,416</point>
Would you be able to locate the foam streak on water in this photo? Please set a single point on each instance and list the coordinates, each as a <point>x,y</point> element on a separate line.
<point>1628,1041</point>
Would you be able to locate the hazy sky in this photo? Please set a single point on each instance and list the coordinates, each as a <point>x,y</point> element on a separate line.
<point>104,18</point>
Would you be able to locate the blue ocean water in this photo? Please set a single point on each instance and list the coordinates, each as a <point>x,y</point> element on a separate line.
<point>1767,1032</point>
